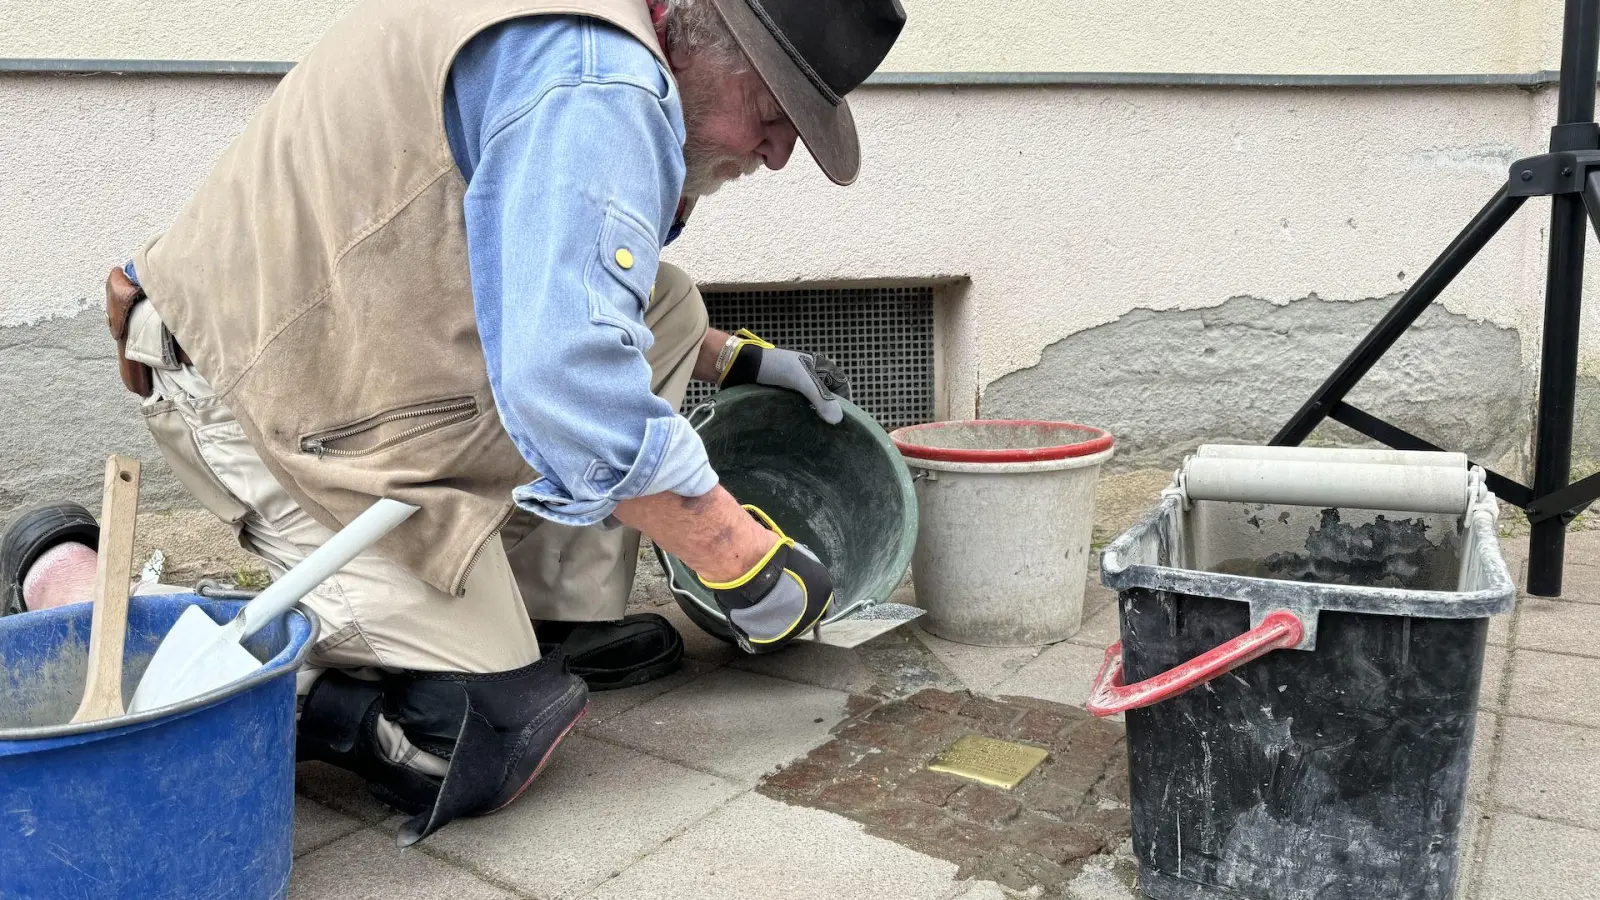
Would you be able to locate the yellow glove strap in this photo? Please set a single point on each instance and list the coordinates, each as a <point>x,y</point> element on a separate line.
<point>743,336</point>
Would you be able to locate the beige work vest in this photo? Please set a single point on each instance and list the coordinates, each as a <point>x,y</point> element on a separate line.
<point>319,281</point>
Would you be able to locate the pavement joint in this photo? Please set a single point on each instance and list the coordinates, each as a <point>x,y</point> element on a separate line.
<point>342,833</point>
<point>449,859</point>
<point>381,839</point>
<point>1567,653</point>
<point>680,832</point>
<point>687,764</point>
<point>1541,817</point>
<point>1548,720</point>
<point>464,863</point>
<point>1477,854</point>
<point>607,705</point>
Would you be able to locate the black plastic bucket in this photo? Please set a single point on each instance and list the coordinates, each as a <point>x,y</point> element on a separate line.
<point>1324,752</point>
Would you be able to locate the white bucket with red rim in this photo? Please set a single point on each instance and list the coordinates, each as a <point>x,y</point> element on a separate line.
<point>1005,518</point>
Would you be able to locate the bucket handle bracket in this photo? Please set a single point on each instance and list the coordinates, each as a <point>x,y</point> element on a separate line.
<point>1303,610</point>
<point>1279,629</point>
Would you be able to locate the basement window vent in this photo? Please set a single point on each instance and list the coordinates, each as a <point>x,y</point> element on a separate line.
<point>881,336</point>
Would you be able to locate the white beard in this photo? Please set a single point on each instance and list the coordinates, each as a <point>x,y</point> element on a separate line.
<point>706,170</point>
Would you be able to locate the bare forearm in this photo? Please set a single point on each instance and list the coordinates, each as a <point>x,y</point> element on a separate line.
<point>705,365</point>
<point>712,534</point>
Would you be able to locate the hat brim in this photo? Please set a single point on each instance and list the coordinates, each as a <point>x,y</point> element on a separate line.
<point>828,130</point>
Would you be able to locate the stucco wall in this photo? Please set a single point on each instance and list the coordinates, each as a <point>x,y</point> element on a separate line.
<point>1070,207</point>
<point>89,168</point>
<point>1254,36</point>
<point>1090,230</point>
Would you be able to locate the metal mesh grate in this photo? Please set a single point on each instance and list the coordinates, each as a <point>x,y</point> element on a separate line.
<point>882,336</point>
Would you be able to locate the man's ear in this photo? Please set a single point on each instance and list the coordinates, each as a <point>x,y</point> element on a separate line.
<point>677,60</point>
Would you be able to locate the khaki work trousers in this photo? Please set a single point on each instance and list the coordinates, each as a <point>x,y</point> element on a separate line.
<point>375,613</point>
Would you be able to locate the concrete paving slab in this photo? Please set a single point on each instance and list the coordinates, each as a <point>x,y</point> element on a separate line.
<point>1555,686</point>
<point>979,669</point>
<point>835,668</point>
<point>1101,628</point>
<point>366,866</point>
<point>735,724</point>
<point>1483,737</point>
<point>1496,662</point>
<point>1533,860</point>
<point>1515,551</point>
<point>593,812</point>
<point>758,847</point>
<point>1062,674</point>
<point>697,644</point>
<point>1550,771</point>
<point>316,826</point>
<point>904,665</point>
<point>1583,546</point>
<point>1558,625</point>
<point>1580,582</point>
<point>607,705</point>
<point>1500,627</point>
<point>340,790</point>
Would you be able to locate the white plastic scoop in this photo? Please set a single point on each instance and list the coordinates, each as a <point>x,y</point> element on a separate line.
<point>198,655</point>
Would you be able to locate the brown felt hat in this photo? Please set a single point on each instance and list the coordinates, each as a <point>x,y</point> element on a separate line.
<point>811,53</point>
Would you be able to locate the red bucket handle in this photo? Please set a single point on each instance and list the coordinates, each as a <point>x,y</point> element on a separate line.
<point>1109,696</point>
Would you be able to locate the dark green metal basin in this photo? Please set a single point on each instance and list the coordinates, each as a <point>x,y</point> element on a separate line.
<point>842,490</point>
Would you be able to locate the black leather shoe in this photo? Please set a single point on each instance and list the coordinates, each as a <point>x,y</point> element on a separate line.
<point>610,655</point>
<point>29,535</point>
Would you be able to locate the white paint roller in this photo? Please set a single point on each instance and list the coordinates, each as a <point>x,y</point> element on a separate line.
<point>1337,454</point>
<point>1392,480</point>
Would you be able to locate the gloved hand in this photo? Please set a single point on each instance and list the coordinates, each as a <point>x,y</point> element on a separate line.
<point>781,598</point>
<point>819,378</point>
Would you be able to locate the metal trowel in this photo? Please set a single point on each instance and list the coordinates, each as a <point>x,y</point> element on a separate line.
<point>198,655</point>
<point>863,625</point>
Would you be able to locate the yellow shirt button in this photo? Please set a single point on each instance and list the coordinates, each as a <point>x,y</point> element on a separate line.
<point>624,258</point>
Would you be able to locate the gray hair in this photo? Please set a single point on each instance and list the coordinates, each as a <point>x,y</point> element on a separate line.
<point>695,28</point>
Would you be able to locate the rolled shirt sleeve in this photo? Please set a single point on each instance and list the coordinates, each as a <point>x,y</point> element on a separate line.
<point>571,194</point>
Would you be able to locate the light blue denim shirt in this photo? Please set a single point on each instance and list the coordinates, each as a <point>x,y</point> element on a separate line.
<point>570,135</point>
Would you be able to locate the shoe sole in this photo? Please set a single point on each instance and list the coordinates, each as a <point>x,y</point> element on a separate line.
<point>546,758</point>
<point>635,677</point>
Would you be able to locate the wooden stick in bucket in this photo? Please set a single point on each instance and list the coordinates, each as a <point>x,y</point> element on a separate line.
<point>119,508</point>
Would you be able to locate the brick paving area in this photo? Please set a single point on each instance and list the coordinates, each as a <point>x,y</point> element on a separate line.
<point>1074,806</point>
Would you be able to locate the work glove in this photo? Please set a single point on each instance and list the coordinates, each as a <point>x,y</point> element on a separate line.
<point>781,598</point>
<point>817,377</point>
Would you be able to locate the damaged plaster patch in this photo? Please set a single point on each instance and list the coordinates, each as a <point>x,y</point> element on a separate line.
<point>1586,428</point>
<point>65,412</point>
<point>1165,382</point>
<point>1470,160</point>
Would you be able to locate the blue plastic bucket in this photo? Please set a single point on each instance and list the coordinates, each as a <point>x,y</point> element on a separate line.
<point>193,802</point>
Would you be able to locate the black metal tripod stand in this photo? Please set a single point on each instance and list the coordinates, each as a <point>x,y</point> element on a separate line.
<point>1570,176</point>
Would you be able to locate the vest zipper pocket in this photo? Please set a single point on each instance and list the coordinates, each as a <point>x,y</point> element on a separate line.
<point>472,562</point>
<point>385,430</point>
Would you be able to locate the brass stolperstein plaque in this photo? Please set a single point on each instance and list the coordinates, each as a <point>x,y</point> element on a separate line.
<point>990,761</point>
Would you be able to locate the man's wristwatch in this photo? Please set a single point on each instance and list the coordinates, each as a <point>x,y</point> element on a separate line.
<point>725,355</point>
